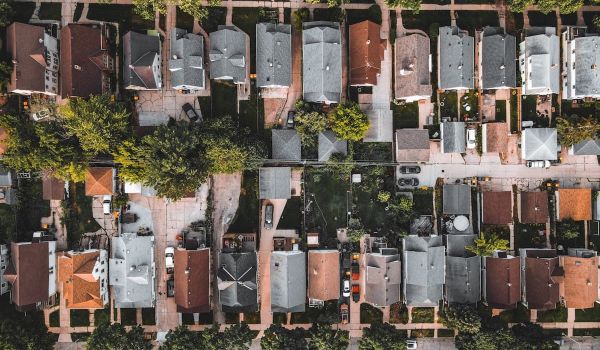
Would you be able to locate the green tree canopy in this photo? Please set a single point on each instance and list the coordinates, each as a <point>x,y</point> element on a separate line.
<point>115,337</point>
<point>486,244</point>
<point>6,12</point>
<point>461,317</point>
<point>382,336</point>
<point>546,6</point>
<point>572,132</point>
<point>348,122</point>
<point>19,331</point>
<point>278,338</point>
<point>323,337</point>
<point>235,337</point>
<point>148,8</point>
<point>521,337</point>
<point>414,5</point>
<point>309,125</point>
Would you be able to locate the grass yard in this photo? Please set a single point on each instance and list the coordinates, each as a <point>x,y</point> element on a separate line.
<point>373,14</point>
<point>224,98</point>
<point>398,313</point>
<point>128,317</point>
<point>527,236</point>
<point>557,315</point>
<point>8,219</point>
<point>252,115</point>
<point>570,234</point>
<point>422,315</point>
<point>279,318</point>
<point>122,14</point>
<point>101,316</point>
<point>588,315</point>
<point>246,216</point>
<point>148,317</point>
<point>373,151</point>
<point>472,20</point>
<point>184,20</point>
<point>327,314</point>
<point>427,21</point>
<point>80,318</point>
<point>422,333</point>
<point>291,218</point>
<point>77,214</point>
<point>246,18</point>
<point>55,319</point>
<point>370,314</point>
<point>50,11</point>
<point>216,16</point>
<point>406,115</point>
<point>469,106</point>
<point>520,314</point>
<point>578,109</point>
<point>448,104</point>
<point>423,201</point>
<point>328,14</point>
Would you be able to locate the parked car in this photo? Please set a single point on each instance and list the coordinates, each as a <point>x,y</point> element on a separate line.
<point>355,267</point>
<point>170,259</point>
<point>290,119</point>
<point>356,293</point>
<point>106,204</point>
<point>346,261</point>
<point>408,181</point>
<point>538,164</point>
<point>191,113</point>
<point>410,169</point>
<point>346,289</point>
<point>269,216</point>
<point>344,313</point>
<point>411,344</point>
<point>471,138</point>
<point>39,115</point>
<point>170,288</point>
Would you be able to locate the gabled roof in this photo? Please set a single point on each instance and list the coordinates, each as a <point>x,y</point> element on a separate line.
<point>587,148</point>
<point>498,59</point>
<point>539,144</point>
<point>25,43</point>
<point>186,61</point>
<point>192,280</point>
<point>228,54</point>
<point>382,278</point>
<point>534,207</point>
<point>411,72</point>
<point>574,203</point>
<point>497,207</point>
<point>288,281</point>
<point>412,145</point>
<point>381,126</point>
<point>322,62</point>
<point>495,137</point>
<point>366,52</point>
<point>423,270</point>
<point>99,181</point>
<point>139,52</point>
<point>329,145</point>
<point>456,199</point>
<point>581,280</point>
<point>323,274</point>
<point>540,61</point>
<point>285,144</point>
<point>463,279</point>
<point>586,61</point>
<point>543,277</point>
<point>456,58</point>
<point>81,273</point>
<point>273,54</point>
<point>275,183</point>
<point>502,282</point>
<point>453,137</point>
<point>237,282</point>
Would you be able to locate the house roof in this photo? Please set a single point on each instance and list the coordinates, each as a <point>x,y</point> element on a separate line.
<point>275,183</point>
<point>534,207</point>
<point>456,199</point>
<point>25,43</point>
<point>329,145</point>
<point>587,58</point>
<point>581,281</point>
<point>192,280</point>
<point>139,53</point>
<point>542,278</point>
<point>382,278</point>
<point>540,57</point>
<point>498,61</point>
<point>237,282</point>
<point>323,274</point>
<point>53,188</point>
<point>186,61</point>
<point>99,181</point>
<point>80,273</point>
<point>539,144</point>
<point>228,54</point>
<point>273,54</point>
<point>27,273</point>
<point>423,270</point>
<point>285,144</point>
<point>411,72</point>
<point>456,58</point>
<point>456,245</point>
<point>575,204</point>
<point>495,137</point>
<point>502,282</point>
<point>453,137</point>
<point>497,207</point>
<point>412,145</point>
<point>463,279</point>
<point>381,126</point>
<point>366,52</point>
<point>587,148</point>
<point>288,281</point>
<point>322,62</point>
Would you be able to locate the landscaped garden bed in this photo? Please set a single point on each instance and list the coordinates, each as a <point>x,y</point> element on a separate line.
<point>128,317</point>
<point>557,315</point>
<point>148,316</point>
<point>570,234</point>
<point>398,313</point>
<point>80,318</point>
<point>422,315</point>
<point>588,315</point>
<point>406,115</point>
<point>528,236</point>
<point>370,314</point>
<point>326,314</point>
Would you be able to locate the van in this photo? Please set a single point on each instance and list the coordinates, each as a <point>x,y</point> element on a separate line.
<point>269,216</point>
<point>106,204</point>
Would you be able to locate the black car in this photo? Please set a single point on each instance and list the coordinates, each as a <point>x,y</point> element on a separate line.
<point>170,288</point>
<point>411,169</point>
<point>290,119</point>
<point>409,181</point>
<point>191,113</point>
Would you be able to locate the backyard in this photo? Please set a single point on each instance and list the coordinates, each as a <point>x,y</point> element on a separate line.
<point>448,104</point>
<point>406,115</point>
<point>476,20</point>
<point>327,314</point>
<point>422,314</point>
<point>398,313</point>
<point>77,215</point>
<point>246,216</point>
<point>469,106</point>
<point>530,236</point>
<point>370,314</point>
<point>570,234</point>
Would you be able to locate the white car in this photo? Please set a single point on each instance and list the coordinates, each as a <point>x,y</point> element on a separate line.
<point>346,290</point>
<point>43,114</point>
<point>411,344</point>
<point>170,259</point>
<point>538,164</point>
<point>471,138</point>
<point>106,204</point>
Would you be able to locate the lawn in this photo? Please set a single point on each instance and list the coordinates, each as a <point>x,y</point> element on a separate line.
<point>570,234</point>
<point>557,315</point>
<point>224,98</point>
<point>148,317</point>
<point>422,315</point>
<point>472,20</point>
<point>527,236</point>
<point>246,18</point>
<point>252,115</point>
<point>588,315</point>
<point>520,314</point>
<point>406,115</point>
<point>55,319</point>
<point>50,11</point>
<point>246,217</point>
<point>279,318</point>
<point>422,333</point>
<point>216,16</point>
<point>328,14</point>
<point>370,314</point>
<point>122,14</point>
<point>398,313</point>
<point>427,21</point>
<point>128,317</point>
<point>77,214</point>
<point>423,201</point>
<point>469,106</point>
<point>373,151</point>
<point>373,14</point>
<point>80,318</point>
<point>578,109</point>
<point>514,111</point>
<point>291,218</point>
<point>8,218</point>
<point>448,104</point>
<point>328,314</point>
<point>101,316</point>
<point>184,20</point>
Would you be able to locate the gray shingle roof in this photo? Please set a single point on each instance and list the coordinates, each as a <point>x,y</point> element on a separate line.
<point>456,59</point>
<point>329,145</point>
<point>381,126</point>
<point>412,145</point>
<point>186,61</point>
<point>463,282</point>
<point>539,61</point>
<point>457,199</point>
<point>453,137</point>
<point>140,51</point>
<point>412,76</point>
<point>285,144</point>
<point>274,183</point>
<point>236,278</point>
<point>273,54</point>
<point>288,281</point>
<point>587,147</point>
<point>228,54</point>
<point>539,144</point>
<point>382,279</point>
<point>498,59</point>
<point>586,79</point>
<point>423,268</point>
<point>322,62</point>
<point>457,243</point>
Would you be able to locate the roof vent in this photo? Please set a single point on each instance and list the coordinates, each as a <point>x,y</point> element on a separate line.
<point>278,42</point>
<point>41,41</point>
<point>77,67</point>
<point>460,66</point>
<point>502,66</point>
<point>368,41</point>
<point>327,68</point>
<point>594,66</point>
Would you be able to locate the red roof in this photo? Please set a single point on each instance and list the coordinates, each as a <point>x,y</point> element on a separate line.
<point>192,282</point>
<point>99,181</point>
<point>25,43</point>
<point>502,282</point>
<point>581,281</point>
<point>28,274</point>
<point>534,207</point>
<point>497,207</point>
<point>366,53</point>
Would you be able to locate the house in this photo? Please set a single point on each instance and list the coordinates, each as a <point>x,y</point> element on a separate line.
<point>534,207</point>
<point>237,282</point>
<point>274,183</point>
<point>497,207</point>
<point>423,263</point>
<point>539,144</point>
<point>574,204</point>
<point>539,61</point>
<point>463,271</point>
<point>273,55</point>
<point>323,276</point>
<point>366,53</point>
<point>35,60</point>
<point>87,65</point>
<point>455,59</point>
<point>229,54</point>
<point>53,189</point>
<point>8,194</point>
<point>132,271</point>
<point>329,145</point>
<point>494,138</point>
<point>381,125</point>
<point>586,148</point>
<point>321,62</point>
<point>192,280</point>
<point>4,261</point>
<point>31,274</point>
<point>580,74</point>
<point>285,144</point>
<point>412,145</point>
<point>288,281</point>
<point>453,137</point>
<point>412,68</point>
<point>142,61</point>
<point>84,278</point>
<point>99,181</point>
<point>501,280</point>
<point>456,199</point>
<point>541,277</point>
<point>382,277</point>
<point>186,62</point>
<point>497,59</point>
<point>581,278</point>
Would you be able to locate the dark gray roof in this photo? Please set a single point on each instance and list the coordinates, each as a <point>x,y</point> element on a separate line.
<point>288,281</point>
<point>381,126</point>
<point>539,59</point>
<point>273,54</point>
<point>236,278</point>
<point>228,54</point>
<point>329,145</point>
<point>463,282</point>
<point>139,53</point>
<point>285,144</point>
<point>423,268</point>
<point>274,183</point>
<point>498,51</point>
<point>453,137</point>
<point>322,62</point>
<point>456,59</point>
<point>186,61</point>
<point>382,278</point>
<point>457,199</point>
<point>586,82</point>
<point>539,144</point>
<point>457,243</point>
<point>412,145</point>
<point>587,148</point>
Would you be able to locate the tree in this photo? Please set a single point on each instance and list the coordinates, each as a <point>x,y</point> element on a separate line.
<point>461,317</point>
<point>356,230</point>
<point>413,5</point>
<point>194,8</point>
<point>147,8</point>
<point>278,338</point>
<point>531,336</point>
<point>323,337</point>
<point>115,337</point>
<point>485,340</point>
<point>235,337</point>
<point>18,331</point>
<point>572,132</point>
<point>348,122</point>
<point>384,196</point>
<point>309,125</point>
<point>382,336</point>
<point>486,244</point>
<point>5,72</point>
<point>300,16</point>
<point>547,6</point>
<point>182,338</point>
<point>6,12</point>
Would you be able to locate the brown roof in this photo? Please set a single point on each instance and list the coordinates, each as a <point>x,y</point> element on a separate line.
<point>412,145</point>
<point>542,281</point>
<point>28,273</point>
<point>25,43</point>
<point>81,60</point>
<point>581,281</point>
<point>534,207</point>
<point>80,289</point>
<point>53,188</point>
<point>497,207</point>
<point>575,204</point>
<point>496,138</point>
<point>502,282</point>
<point>411,66</point>
<point>323,274</point>
<point>192,284</point>
<point>99,181</point>
<point>366,53</point>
